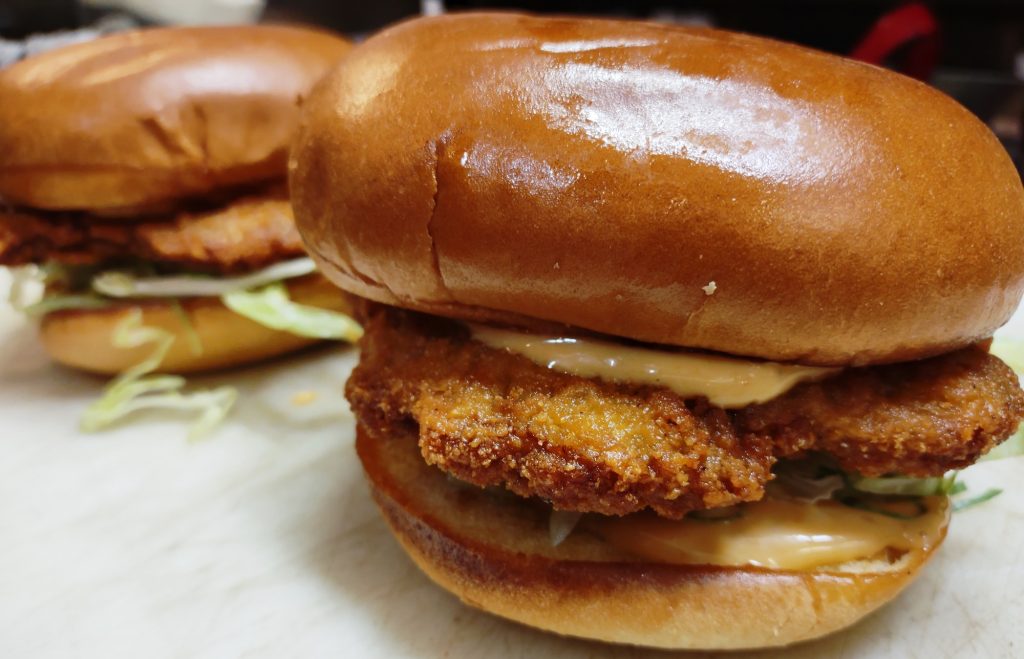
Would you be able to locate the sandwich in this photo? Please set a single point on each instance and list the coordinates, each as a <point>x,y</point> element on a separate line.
<point>673,337</point>
<point>143,182</point>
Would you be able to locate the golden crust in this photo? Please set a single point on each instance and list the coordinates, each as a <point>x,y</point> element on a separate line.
<point>492,418</point>
<point>137,118</point>
<point>246,233</point>
<point>489,417</point>
<point>919,419</point>
<point>83,339</point>
<point>494,554</point>
<point>602,173</point>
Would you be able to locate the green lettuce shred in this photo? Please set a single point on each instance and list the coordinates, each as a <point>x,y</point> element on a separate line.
<point>126,284</point>
<point>911,487</point>
<point>24,282</point>
<point>195,343</point>
<point>260,296</point>
<point>561,524</point>
<point>270,306</point>
<point>53,303</point>
<point>922,487</point>
<point>964,504</point>
<point>138,389</point>
<point>813,479</point>
<point>27,291</point>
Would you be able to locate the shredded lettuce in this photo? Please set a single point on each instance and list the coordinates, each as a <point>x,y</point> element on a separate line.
<point>27,293</point>
<point>964,504</point>
<point>259,296</point>
<point>26,284</point>
<point>920,487</point>
<point>121,284</point>
<point>814,479</point>
<point>270,306</point>
<point>561,524</point>
<point>137,389</point>
<point>195,343</point>
<point>52,303</point>
<point>910,487</point>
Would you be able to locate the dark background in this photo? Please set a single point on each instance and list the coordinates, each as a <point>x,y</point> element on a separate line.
<point>978,34</point>
<point>975,53</point>
<point>983,35</point>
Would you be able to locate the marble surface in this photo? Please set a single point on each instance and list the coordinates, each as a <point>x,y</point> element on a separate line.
<point>261,540</point>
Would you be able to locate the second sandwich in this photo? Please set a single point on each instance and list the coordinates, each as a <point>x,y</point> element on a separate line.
<point>143,175</point>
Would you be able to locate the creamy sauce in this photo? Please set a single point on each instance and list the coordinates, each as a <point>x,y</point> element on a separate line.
<point>777,534</point>
<point>724,381</point>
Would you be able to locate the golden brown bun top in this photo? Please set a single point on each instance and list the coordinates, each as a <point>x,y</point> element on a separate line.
<point>603,174</point>
<point>138,118</point>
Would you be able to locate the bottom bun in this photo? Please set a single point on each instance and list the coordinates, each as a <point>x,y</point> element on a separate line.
<point>83,339</point>
<point>492,550</point>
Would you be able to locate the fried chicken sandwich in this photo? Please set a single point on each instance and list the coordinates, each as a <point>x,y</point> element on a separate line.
<point>673,337</point>
<point>142,177</point>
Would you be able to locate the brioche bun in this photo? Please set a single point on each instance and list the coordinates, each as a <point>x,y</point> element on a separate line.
<point>494,553</point>
<point>675,185</point>
<point>138,118</point>
<point>83,339</point>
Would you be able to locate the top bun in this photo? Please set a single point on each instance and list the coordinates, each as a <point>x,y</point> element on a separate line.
<point>675,185</point>
<point>141,118</point>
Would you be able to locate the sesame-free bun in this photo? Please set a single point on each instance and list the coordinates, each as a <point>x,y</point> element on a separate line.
<point>494,553</point>
<point>137,119</point>
<point>668,184</point>
<point>83,339</point>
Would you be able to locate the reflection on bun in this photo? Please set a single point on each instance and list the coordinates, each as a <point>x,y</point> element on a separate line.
<point>552,178</point>
<point>138,119</point>
<point>675,185</point>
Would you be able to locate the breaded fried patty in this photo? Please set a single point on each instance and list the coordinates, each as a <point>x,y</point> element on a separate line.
<point>247,233</point>
<point>490,417</point>
<point>918,418</point>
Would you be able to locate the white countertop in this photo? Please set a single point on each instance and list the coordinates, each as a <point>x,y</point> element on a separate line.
<point>261,540</point>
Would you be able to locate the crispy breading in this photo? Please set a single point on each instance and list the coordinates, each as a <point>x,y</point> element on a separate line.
<point>490,417</point>
<point>243,234</point>
<point>918,418</point>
